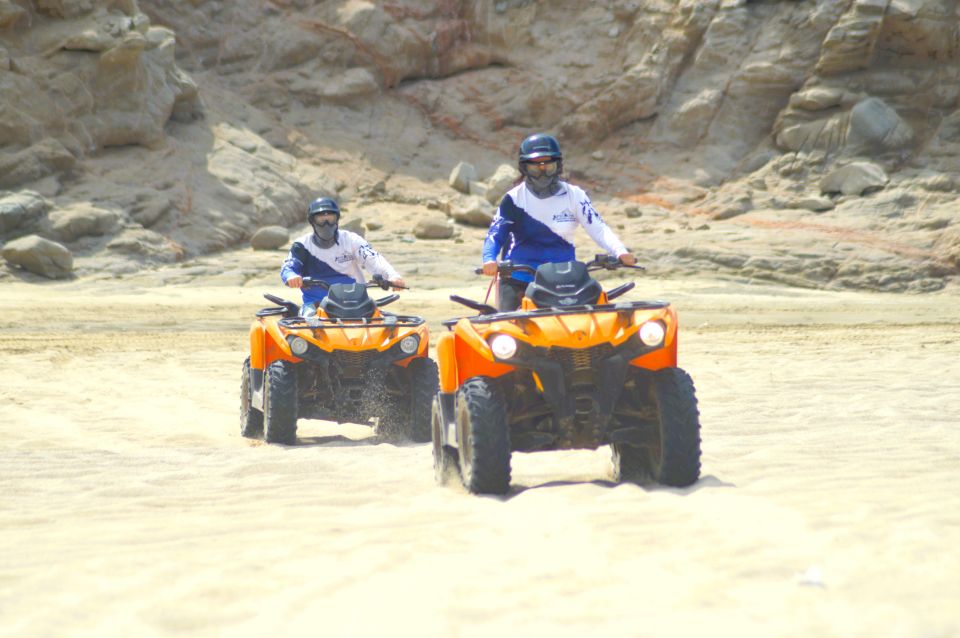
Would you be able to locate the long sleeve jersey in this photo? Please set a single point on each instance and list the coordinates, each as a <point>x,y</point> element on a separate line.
<point>534,231</point>
<point>342,263</point>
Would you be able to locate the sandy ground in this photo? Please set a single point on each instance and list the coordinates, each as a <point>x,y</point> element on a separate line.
<point>131,506</point>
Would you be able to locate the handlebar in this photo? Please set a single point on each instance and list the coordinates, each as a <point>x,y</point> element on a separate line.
<point>507,268</point>
<point>606,262</point>
<point>599,262</point>
<point>378,281</point>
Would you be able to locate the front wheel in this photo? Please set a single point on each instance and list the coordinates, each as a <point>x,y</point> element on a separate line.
<point>482,437</point>
<point>251,419</point>
<point>280,403</point>
<point>408,416</point>
<point>444,457</point>
<point>424,385</point>
<point>672,453</point>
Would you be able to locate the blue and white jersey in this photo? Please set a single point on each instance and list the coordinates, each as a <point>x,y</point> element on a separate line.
<point>342,263</point>
<point>534,231</point>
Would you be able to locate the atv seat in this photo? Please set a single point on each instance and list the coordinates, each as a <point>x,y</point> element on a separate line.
<point>563,284</point>
<point>348,301</point>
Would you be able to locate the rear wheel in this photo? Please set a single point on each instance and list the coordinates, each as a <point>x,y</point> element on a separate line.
<point>482,437</point>
<point>445,462</point>
<point>280,403</point>
<point>672,454</point>
<point>251,419</point>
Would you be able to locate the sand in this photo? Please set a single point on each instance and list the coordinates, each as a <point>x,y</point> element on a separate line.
<point>828,503</point>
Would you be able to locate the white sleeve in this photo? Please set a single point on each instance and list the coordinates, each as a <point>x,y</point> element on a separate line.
<point>371,260</point>
<point>598,230</point>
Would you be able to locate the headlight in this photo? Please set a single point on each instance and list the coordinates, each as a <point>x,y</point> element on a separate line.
<point>651,333</point>
<point>409,344</point>
<point>503,346</point>
<point>299,346</point>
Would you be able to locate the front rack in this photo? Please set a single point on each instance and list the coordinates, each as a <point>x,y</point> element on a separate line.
<point>327,323</point>
<point>626,306</point>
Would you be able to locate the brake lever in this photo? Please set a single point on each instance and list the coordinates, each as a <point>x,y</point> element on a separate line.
<point>385,284</point>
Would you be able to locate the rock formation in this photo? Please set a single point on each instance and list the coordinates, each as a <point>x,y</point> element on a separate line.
<point>160,129</point>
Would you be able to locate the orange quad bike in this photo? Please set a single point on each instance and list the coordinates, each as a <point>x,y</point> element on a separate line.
<point>349,363</point>
<point>568,370</point>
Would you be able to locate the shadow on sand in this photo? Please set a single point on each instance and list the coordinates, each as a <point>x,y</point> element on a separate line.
<point>705,482</point>
<point>339,440</point>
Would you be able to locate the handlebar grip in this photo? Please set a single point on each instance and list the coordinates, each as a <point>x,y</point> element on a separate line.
<point>478,271</point>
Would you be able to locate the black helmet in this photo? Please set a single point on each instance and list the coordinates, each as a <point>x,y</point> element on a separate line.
<point>322,205</point>
<point>539,145</point>
<point>324,232</point>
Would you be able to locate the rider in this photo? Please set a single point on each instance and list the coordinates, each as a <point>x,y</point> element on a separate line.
<point>332,255</point>
<point>537,218</point>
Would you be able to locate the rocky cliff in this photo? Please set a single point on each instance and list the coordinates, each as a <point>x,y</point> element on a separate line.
<point>812,142</point>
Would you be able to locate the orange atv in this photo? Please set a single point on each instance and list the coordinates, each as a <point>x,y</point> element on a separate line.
<point>568,370</point>
<point>348,363</point>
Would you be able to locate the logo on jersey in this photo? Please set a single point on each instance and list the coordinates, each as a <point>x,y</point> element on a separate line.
<point>589,212</point>
<point>344,258</point>
<point>366,252</point>
<point>565,216</point>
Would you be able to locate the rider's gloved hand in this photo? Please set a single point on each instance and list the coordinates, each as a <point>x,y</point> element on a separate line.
<point>628,259</point>
<point>490,268</point>
<point>398,283</point>
<point>295,282</point>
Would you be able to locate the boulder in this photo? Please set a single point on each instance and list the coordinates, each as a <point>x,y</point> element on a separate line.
<point>269,238</point>
<point>472,211</point>
<point>813,203</point>
<point>44,158</point>
<point>149,209</point>
<point>479,189</point>
<point>461,176</point>
<point>18,210</point>
<point>141,242</point>
<point>500,182</point>
<point>433,227</point>
<point>40,256</point>
<point>817,98</point>
<point>875,125</point>
<point>854,179</point>
<point>83,220</point>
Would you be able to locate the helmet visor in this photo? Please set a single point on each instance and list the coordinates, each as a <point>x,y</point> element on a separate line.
<point>319,220</point>
<point>542,169</point>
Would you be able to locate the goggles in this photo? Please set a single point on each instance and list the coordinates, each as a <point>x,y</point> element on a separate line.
<point>536,169</point>
<point>324,219</point>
